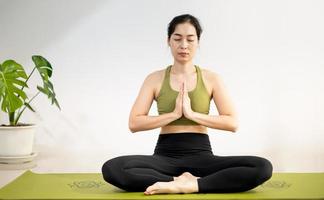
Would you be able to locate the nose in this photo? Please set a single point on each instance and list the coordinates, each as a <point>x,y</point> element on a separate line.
<point>184,44</point>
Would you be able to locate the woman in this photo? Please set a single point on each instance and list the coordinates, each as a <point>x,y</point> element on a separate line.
<point>183,161</point>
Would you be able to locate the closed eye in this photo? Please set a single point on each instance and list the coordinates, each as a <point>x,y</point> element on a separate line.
<point>180,39</point>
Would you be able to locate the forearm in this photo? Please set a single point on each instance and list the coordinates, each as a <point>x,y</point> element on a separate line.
<point>222,122</point>
<point>145,122</point>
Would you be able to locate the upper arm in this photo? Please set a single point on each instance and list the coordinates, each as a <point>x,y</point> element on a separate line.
<point>221,97</point>
<point>145,97</point>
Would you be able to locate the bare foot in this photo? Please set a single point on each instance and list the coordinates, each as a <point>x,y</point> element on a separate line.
<point>185,183</point>
<point>186,175</point>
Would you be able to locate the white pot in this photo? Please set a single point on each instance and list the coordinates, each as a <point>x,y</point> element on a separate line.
<point>17,140</point>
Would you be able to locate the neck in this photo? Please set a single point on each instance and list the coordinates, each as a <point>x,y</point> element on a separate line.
<point>183,68</point>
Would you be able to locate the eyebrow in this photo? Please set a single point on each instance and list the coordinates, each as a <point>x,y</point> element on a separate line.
<point>177,34</point>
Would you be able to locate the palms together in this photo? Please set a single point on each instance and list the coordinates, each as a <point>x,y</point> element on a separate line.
<point>183,103</point>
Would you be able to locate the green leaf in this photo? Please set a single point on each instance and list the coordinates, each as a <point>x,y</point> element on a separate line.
<point>21,93</point>
<point>57,104</point>
<point>4,106</point>
<point>19,82</point>
<point>29,106</point>
<point>44,91</point>
<point>45,70</point>
<point>11,75</point>
<point>49,91</point>
<point>43,66</point>
<point>11,66</point>
<point>12,102</point>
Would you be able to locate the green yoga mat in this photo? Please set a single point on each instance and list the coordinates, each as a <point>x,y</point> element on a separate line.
<point>91,186</point>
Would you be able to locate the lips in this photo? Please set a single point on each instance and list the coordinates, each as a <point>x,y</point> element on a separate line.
<point>183,54</point>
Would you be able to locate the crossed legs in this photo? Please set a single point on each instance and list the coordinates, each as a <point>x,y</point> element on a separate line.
<point>204,174</point>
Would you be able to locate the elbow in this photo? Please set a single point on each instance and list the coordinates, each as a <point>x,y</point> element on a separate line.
<point>132,129</point>
<point>131,126</point>
<point>234,129</point>
<point>234,126</point>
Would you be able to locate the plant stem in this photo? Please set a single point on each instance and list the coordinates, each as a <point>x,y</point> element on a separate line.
<point>12,118</point>
<point>15,121</point>
<point>19,114</point>
<point>19,95</point>
<point>28,78</point>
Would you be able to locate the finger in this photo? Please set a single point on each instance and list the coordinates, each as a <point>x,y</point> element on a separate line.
<point>181,89</point>
<point>183,86</point>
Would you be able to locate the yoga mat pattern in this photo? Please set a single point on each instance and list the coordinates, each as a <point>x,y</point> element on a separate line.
<point>92,186</point>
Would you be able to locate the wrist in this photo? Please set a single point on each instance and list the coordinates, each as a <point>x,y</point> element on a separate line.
<point>175,115</point>
<point>192,115</point>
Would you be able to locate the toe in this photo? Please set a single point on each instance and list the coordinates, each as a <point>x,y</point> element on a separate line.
<point>149,189</point>
<point>187,174</point>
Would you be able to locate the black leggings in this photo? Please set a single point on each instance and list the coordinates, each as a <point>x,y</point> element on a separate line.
<point>187,152</point>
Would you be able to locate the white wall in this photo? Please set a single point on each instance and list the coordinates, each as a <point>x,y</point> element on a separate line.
<point>270,54</point>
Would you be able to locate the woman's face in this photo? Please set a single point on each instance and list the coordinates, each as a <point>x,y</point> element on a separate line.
<point>183,42</point>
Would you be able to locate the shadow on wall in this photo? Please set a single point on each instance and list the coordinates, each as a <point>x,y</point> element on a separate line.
<point>27,27</point>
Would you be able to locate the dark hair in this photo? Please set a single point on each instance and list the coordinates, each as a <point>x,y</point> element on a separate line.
<point>182,19</point>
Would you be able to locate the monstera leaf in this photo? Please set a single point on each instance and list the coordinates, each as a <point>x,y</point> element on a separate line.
<point>12,75</point>
<point>45,70</point>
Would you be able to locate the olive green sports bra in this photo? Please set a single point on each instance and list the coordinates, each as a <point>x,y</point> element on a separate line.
<point>199,98</point>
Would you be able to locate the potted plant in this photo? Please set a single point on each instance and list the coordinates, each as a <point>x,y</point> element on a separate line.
<point>16,139</point>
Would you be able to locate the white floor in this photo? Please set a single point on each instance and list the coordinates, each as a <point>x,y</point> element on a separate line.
<point>58,161</point>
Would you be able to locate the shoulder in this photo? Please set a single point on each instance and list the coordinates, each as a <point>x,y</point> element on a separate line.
<point>210,76</point>
<point>155,77</point>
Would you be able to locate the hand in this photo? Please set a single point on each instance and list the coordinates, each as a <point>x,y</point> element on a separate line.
<point>178,104</point>
<point>186,105</point>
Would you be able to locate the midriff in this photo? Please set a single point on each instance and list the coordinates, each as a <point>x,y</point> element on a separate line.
<point>183,128</point>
